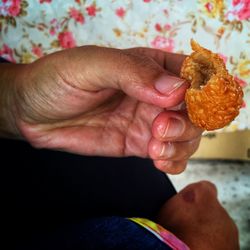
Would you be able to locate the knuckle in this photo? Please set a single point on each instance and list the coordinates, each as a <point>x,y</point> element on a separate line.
<point>203,192</point>
<point>178,167</point>
<point>134,62</point>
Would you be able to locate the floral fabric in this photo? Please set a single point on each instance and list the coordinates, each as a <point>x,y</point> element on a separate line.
<point>31,29</point>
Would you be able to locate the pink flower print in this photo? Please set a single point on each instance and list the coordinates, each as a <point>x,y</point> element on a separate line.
<point>53,21</point>
<point>55,26</point>
<point>158,27</point>
<point>241,82</point>
<point>163,43</point>
<point>120,12</point>
<point>240,10</point>
<point>236,2</point>
<point>91,10</point>
<point>7,53</point>
<point>4,9</point>
<point>167,27</point>
<point>52,31</point>
<point>76,15</point>
<point>209,6</point>
<point>45,1</point>
<point>36,50</point>
<point>244,12</point>
<point>165,11</point>
<point>15,8</point>
<point>243,104</point>
<point>146,1</point>
<point>66,40</point>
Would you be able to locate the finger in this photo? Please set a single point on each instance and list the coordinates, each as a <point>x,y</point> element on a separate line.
<point>173,151</point>
<point>169,61</point>
<point>137,75</point>
<point>174,126</point>
<point>171,167</point>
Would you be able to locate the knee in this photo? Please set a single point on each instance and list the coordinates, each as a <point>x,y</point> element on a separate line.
<point>199,192</point>
<point>205,187</point>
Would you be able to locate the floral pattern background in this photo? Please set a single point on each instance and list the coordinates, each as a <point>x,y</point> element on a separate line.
<point>34,28</point>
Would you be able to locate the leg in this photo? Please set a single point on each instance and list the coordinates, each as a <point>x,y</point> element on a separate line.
<point>42,189</point>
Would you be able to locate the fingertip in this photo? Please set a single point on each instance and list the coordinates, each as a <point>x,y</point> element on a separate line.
<point>171,167</point>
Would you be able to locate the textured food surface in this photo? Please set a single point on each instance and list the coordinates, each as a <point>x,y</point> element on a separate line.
<point>214,97</point>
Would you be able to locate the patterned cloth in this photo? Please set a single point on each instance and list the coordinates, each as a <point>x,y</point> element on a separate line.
<point>31,29</point>
<point>161,233</point>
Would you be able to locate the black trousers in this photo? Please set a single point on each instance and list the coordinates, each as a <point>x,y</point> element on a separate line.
<point>42,190</point>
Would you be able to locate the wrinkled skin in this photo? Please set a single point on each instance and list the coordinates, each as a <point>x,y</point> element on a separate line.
<point>101,101</point>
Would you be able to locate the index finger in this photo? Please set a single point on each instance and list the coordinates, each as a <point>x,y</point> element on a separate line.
<point>170,61</point>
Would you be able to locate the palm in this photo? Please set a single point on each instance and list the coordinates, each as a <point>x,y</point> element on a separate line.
<point>124,125</point>
<point>104,123</point>
<point>100,102</point>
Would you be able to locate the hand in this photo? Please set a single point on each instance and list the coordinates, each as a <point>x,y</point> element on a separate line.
<point>108,102</point>
<point>196,217</point>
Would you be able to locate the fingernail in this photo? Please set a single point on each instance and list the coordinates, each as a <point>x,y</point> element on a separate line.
<point>167,84</point>
<point>174,128</point>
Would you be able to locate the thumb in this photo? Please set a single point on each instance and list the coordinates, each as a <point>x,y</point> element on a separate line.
<point>137,75</point>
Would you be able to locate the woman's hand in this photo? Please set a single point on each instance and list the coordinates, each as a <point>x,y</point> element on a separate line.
<point>108,102</point>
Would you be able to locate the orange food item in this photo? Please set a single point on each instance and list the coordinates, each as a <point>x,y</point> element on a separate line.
<point>214,97</point>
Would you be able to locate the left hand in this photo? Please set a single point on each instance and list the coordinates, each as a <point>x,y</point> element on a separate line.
<point>100,101</point>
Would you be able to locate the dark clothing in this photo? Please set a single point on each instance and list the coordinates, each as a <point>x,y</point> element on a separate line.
<point>44,190</point>
<point>48,198</point>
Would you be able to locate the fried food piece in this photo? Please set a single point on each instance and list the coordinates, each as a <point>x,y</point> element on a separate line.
<point>214,97</point>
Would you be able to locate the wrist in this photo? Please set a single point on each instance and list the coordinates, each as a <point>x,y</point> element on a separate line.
<point>10,78</point>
